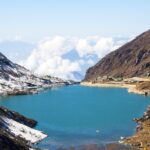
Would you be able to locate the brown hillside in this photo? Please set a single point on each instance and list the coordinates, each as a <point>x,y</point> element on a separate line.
<point>130,60</point>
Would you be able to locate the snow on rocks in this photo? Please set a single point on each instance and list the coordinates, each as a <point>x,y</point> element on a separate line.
<point>25,132</point>
<point>15,79</point>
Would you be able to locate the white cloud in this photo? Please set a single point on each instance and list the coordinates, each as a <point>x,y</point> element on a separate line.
<point>47,57</point>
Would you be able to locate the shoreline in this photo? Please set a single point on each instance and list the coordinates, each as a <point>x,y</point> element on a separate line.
<point>18,131</point>
<point>33,90</point>
<point>141,138</point>
<point>132,88</point>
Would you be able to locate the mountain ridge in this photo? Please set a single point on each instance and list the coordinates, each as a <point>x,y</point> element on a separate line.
<point>130,60</point>
<point>17,80</point>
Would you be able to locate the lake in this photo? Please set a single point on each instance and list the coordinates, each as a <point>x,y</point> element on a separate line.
<point>77,115</point>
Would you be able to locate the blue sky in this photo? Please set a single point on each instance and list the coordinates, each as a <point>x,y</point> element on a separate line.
<point>65,37</point>
<point>34,19</point>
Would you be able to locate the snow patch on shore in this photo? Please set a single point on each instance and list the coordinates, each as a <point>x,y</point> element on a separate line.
<point>23,131</point>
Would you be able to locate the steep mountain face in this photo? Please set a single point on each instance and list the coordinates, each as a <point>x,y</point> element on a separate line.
<point>130,60</point>
<point>15,79</point>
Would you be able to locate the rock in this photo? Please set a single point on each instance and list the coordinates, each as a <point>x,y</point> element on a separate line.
<point>8,142</point>
<point>141,139</point>
<point>16,132</point>
<point>17,117</point>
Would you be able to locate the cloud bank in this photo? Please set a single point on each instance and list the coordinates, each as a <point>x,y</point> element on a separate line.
<point>69,58</point>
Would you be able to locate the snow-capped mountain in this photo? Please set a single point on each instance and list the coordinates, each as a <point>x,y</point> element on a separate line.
<point>15,79</point>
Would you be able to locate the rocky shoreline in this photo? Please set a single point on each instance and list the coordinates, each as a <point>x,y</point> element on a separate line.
<point>16,131</point>
<point>141,139</point>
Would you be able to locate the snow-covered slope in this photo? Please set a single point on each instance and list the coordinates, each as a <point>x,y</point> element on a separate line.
<point>25,132</point>
<point>15,79</point>
<point>17,131</point>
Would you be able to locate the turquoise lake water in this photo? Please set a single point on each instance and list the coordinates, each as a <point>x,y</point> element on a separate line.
<point>76,115</point>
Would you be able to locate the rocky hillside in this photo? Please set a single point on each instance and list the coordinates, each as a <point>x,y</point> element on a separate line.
<point>15,79</point>
<point>130,60</point>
